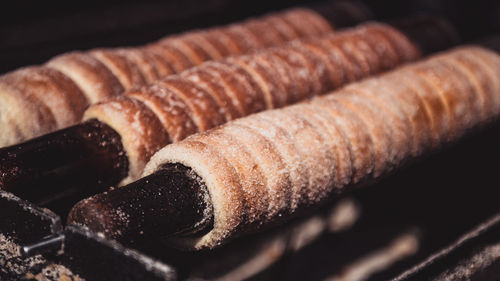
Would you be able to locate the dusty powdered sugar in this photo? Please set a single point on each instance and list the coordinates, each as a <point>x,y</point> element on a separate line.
<point>243,85</point>
<point>374,140</point>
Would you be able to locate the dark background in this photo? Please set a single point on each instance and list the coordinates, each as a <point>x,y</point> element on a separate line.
<point>31,32</point>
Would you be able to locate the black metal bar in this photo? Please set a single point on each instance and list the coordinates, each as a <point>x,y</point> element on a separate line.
<point>64,166</point>
<point>97,259</point>
<point>444,260</point>
<point>170,201</point>
<point>52,244</point>
<point>25,222</point>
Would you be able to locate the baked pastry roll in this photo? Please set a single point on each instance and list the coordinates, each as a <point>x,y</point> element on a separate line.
<point>216,92</point>
<point>99,74</point>
<point>272,165</point>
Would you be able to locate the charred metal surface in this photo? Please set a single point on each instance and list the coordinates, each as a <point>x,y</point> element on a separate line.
<point>58,169</point>
<point>173,200</point>
<point>95,258</point>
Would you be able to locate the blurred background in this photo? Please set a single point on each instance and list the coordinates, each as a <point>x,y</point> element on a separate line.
<point>31,32</point>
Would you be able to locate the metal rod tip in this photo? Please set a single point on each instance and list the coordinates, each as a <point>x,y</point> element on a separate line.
<point>52,244</point>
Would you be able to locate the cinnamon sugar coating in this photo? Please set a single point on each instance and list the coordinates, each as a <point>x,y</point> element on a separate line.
<point>300,156</point>
<point>93,78</point>
<point>44,93</point>
<point>100,74</point>
<point>127,72</point>
<point>219,91</point>
<point>144,133</point>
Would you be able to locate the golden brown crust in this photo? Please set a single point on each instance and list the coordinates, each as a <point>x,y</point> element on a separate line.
<point>354,53</point>
<point>319,69</point>
<point>269,71</point>
<point>211,47</point>
<point>302,80</point>
<point>303,154</point>
<point>219,41</point>
<point>243,38</point>
<point>321,24</point>
<point>312,67</point>
<point>338,143</point>
<point>301,134</point>
<point>439,101</point>
<point>396,110</point>
<point>484,69</point>
<point>140,130</point>
<point>94,79</point>
<point>54,91</point>
<point>22,110</point>
<point>216,92</point>
<point>352,57</point>
<point>361,143</point>
<point>287,75</point>
<point>216,89</point>
<point>203,107</point>
<point>229,212</point>
<point>263,152</point>
<point>417,111</point>
<point>244,90</point>
<point>189,49</point>
<point>407,51</point>
<point>301,21</point>
<point>227,89</point>
<point>171,111</point>
<point>377,121</point>
<point>265,32</point>
<point>366,54</point>
<point>287,151</point>
<point>121,66</point>
<point>333,68</point>
<point>258,74</point>
<point>381,46</point>
<point>145,63</point>
<point>162,67</point>
<point>225,41</point>
<point>350,72</point>
<point>172,55</point>
<point>456,87</point>
<point>282,27</point>
<point>250,175</point>
<point>372,117</point>
<point>105,73</point>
